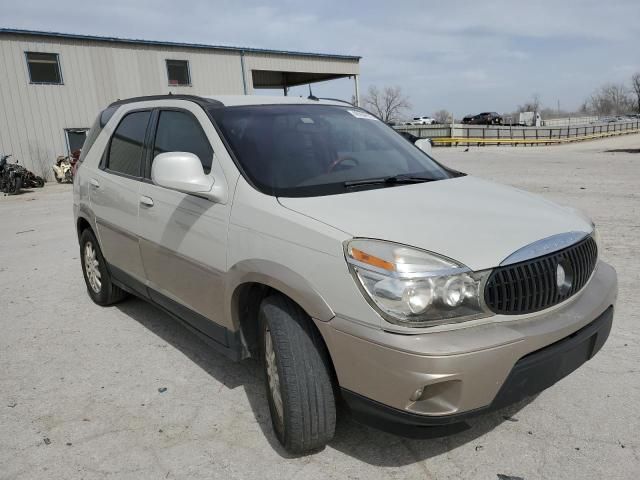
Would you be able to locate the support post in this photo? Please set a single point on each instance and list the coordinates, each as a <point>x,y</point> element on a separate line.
<point>357,89</point>
<point>244,75</point>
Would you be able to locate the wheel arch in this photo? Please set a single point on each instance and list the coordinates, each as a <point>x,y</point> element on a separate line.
<point>254,280</point>
<point>84,220</point>
<point>82,224</point>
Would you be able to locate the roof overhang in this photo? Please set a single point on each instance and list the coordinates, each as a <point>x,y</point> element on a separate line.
<point>282,79</point>
<point>164,44</point>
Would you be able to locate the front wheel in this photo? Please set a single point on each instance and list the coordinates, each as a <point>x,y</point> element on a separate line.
<point>298,377</point>
<point>15,185</point>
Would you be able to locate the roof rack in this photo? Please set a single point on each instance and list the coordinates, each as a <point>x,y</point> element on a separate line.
<point>202,101</point>
<point>334,100</point>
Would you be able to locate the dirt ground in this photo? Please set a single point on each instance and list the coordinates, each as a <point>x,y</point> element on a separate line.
<point>82,387</point>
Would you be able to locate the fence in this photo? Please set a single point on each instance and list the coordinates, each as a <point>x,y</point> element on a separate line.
<point>555,122</point>
<point>457,134</point>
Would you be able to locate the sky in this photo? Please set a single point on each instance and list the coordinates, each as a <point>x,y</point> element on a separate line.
<point>462,56</point>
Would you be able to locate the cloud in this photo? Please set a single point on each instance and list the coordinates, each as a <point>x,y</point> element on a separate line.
<point>464,56</point>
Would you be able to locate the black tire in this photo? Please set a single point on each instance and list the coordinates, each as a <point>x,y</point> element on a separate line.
<point>304,371</point>
<point>40,182</point>
<point>107,293</point>
<point>14,188</point>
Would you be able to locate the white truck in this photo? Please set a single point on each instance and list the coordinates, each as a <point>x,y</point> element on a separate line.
<point>530,119</point>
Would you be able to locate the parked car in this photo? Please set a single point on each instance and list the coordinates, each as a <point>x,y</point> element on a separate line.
<point>485,118</point>
<point>424,144</point>
<point>422,121</point>
<point>311,236</point>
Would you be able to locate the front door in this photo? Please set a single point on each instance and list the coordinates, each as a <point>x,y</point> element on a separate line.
<point>115,196</point>
<point>183,238</point>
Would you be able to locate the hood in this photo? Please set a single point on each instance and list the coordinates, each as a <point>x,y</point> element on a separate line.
<point>474,221</point>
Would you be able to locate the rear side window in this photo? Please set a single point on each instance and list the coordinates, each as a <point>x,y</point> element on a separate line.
<point>180,131</point>
<point>97,127</point>
<point>127,144</point>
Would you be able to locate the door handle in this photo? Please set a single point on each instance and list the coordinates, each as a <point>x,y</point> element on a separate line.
<point>146,201</point>
<point>94,183</point>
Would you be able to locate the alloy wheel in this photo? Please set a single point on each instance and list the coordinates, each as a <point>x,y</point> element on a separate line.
<point>272,374</point>
<point>91,266</point>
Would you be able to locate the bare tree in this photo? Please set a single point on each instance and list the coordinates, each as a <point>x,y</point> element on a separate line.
<point>443,116</point>
<point>533,105</point>
<point>610,99</point>
<point>635,85</point>
<point>388,105</point>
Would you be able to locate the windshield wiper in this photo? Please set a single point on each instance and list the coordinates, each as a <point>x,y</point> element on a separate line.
<point>392,180</point>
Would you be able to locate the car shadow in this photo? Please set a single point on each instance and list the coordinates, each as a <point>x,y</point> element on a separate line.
<point>623,150</point>
<point>367,444</point>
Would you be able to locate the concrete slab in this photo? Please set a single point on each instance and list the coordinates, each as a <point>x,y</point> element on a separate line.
<point>79,384</point>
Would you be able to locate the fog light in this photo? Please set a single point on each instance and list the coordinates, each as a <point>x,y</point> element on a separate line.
<point>417,394</point>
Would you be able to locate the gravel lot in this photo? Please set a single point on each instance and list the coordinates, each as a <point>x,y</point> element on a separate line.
<point>81,386</point>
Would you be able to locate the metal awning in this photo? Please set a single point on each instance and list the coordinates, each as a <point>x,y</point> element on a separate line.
<point>280,79</point>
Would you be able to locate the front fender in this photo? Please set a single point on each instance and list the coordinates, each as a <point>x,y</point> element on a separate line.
<point>280,278</point>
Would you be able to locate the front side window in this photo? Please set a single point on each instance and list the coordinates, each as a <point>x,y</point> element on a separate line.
<point>178,72</point>
<point>310,150</point>
<point>180,131</point>
<point>44,68</point>
<point>127,144</point>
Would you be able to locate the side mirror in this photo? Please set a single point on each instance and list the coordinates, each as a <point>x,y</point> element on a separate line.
<point>181,171</point>
<point>424,144</point>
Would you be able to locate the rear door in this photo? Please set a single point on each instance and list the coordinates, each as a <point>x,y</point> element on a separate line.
<point>183,238</point>
<point>115,196</point>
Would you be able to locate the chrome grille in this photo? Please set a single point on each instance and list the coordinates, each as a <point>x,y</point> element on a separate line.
<point>532,285</point>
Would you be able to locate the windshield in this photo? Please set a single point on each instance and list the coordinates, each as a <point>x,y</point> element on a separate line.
<point>310,150</point>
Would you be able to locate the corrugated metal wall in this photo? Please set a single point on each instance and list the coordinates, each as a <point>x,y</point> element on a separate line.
<point>33,117</point>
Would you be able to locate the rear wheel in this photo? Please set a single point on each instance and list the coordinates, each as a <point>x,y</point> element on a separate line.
<point>99,285</point>
<point>298,377</point>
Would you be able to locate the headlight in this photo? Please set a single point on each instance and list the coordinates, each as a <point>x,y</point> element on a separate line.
<point>414,287</point>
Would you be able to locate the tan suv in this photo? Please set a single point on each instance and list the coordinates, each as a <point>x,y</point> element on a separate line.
<point>310,234</point>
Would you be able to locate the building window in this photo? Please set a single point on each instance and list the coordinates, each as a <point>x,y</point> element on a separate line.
<point>44,68</point>
<point>178,72</point>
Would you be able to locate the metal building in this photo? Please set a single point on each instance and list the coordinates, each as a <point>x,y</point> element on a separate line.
<point>52,85</point>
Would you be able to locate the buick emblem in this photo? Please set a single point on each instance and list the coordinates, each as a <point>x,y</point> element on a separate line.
<point>564,277</point>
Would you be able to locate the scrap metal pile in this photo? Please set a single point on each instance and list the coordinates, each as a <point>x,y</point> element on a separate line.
<point>14,177</point>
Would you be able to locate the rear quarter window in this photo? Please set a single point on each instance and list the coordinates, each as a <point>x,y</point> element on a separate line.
<point>95,131</point>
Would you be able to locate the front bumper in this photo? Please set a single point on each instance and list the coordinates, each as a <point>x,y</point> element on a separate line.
<point>468,370</point>
<point>530,375</point>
